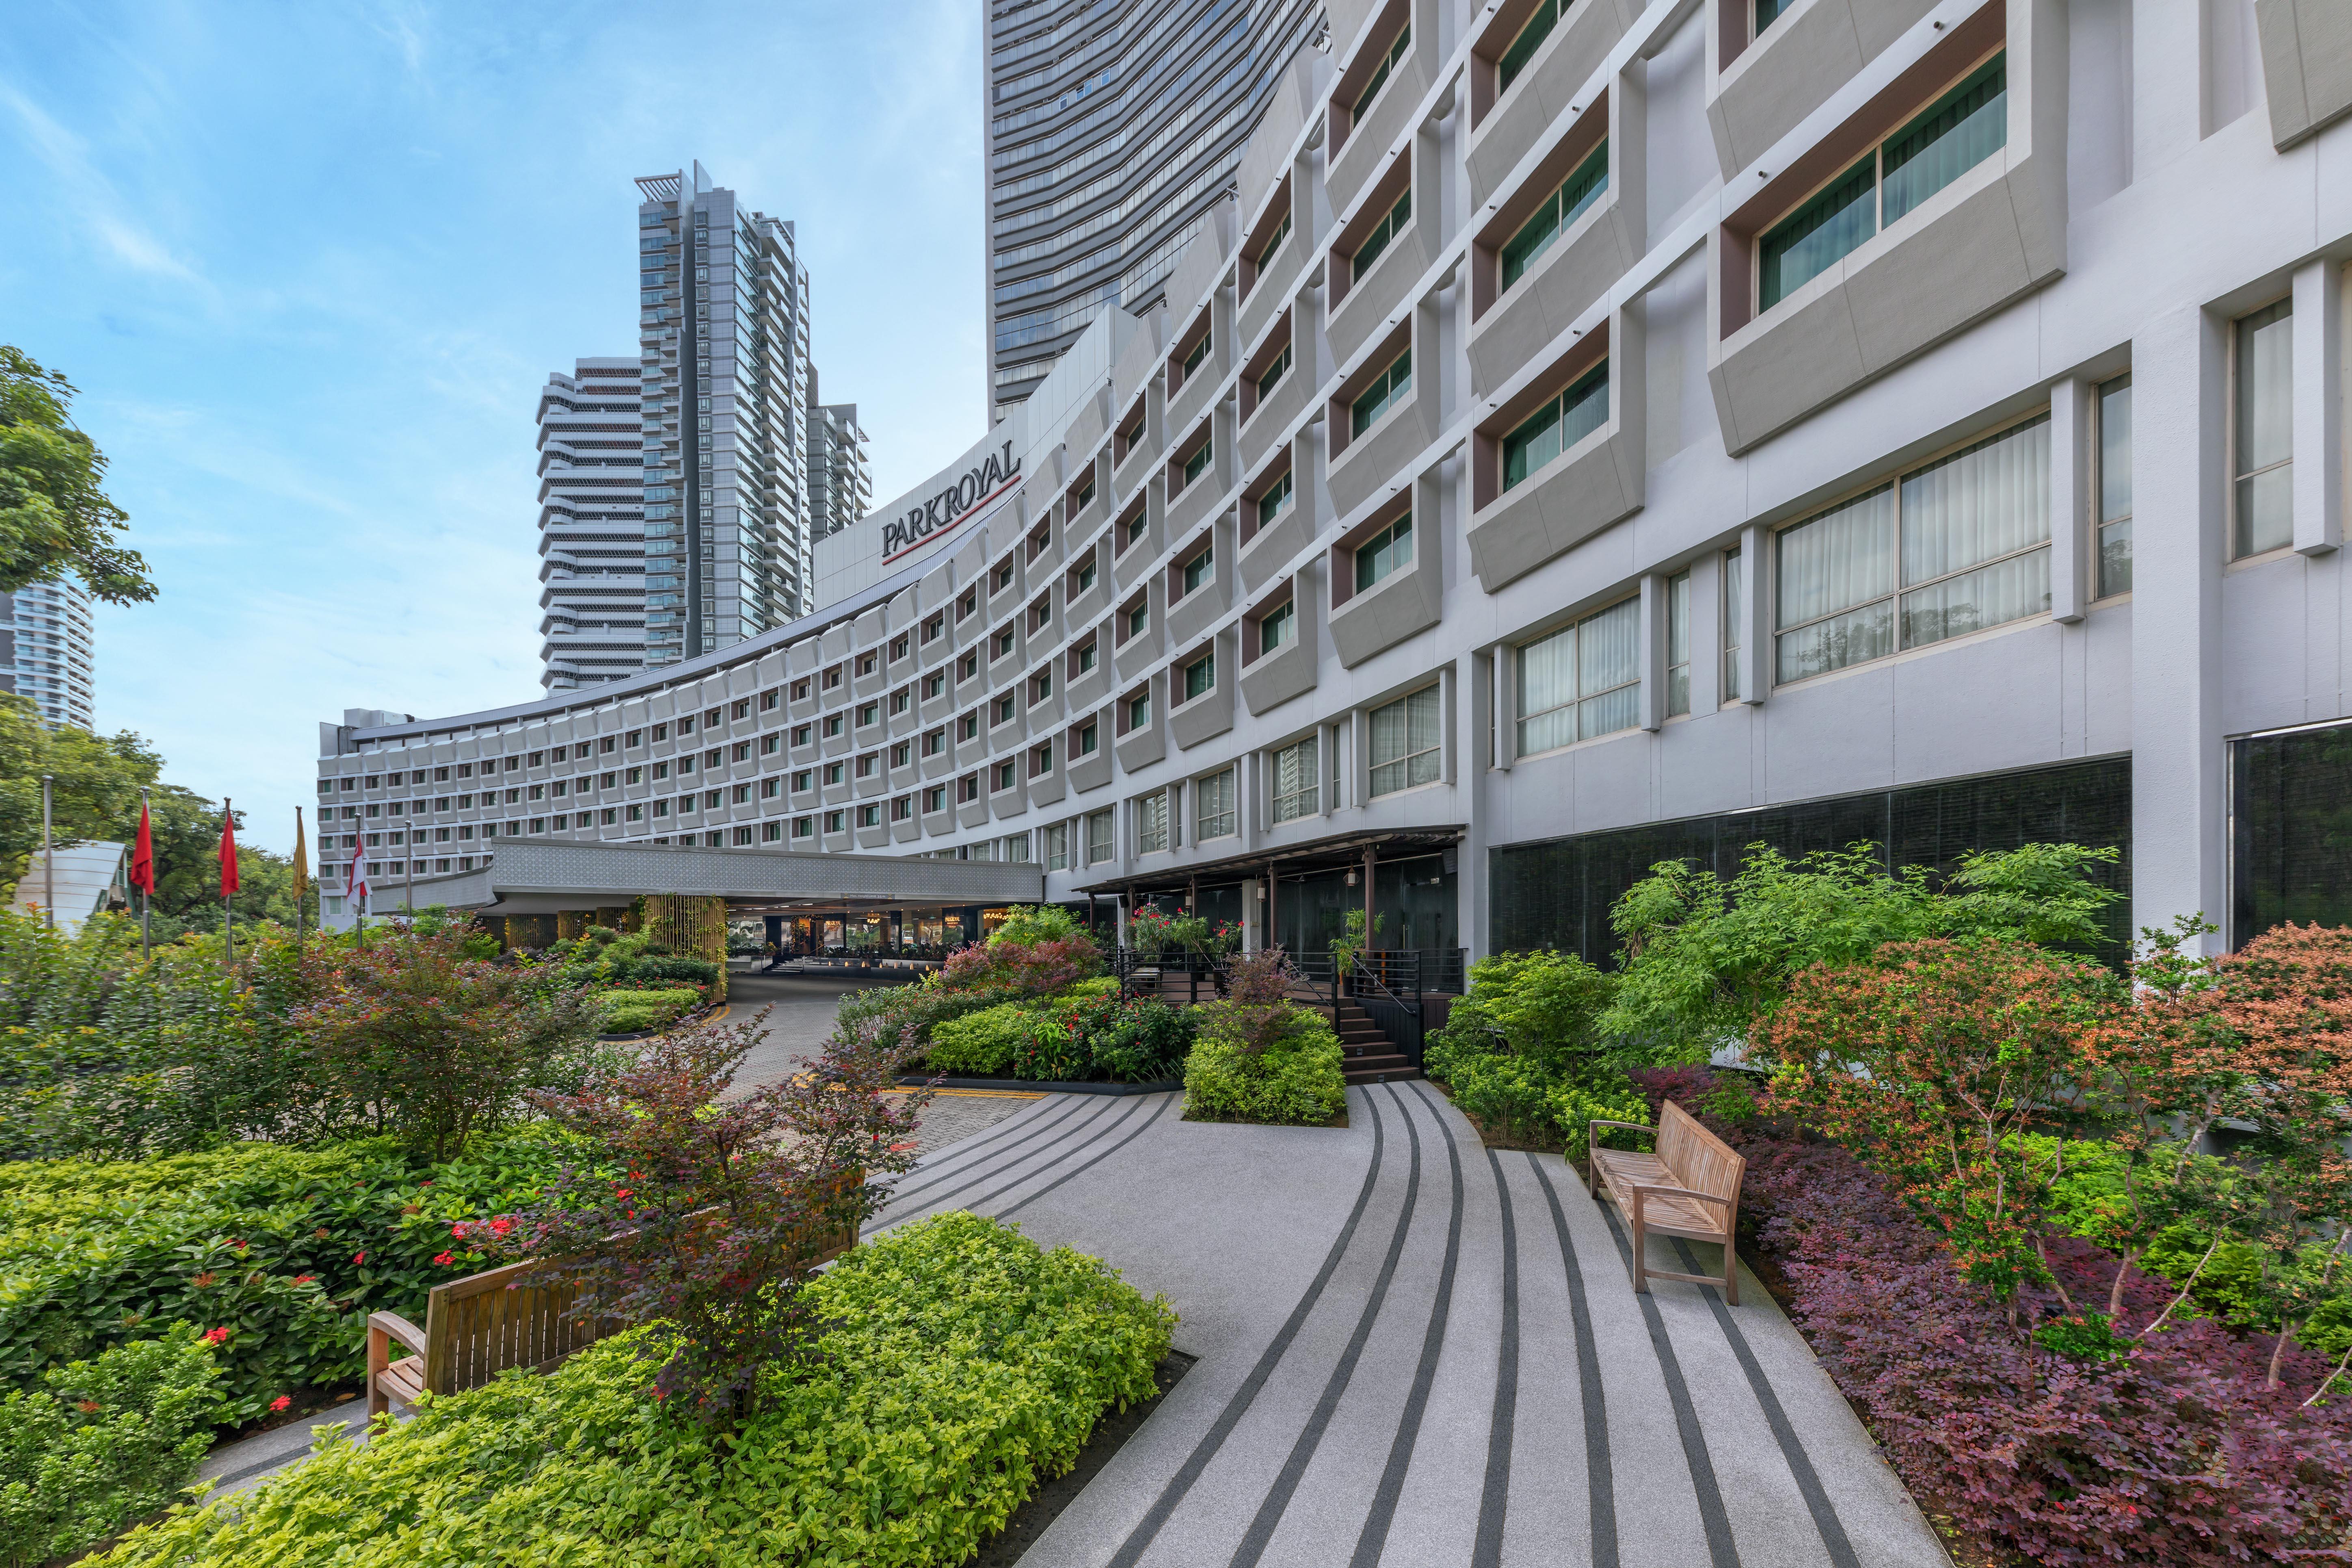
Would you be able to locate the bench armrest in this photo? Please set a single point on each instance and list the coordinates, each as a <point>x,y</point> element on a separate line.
<point>1681,1193</point>
<point>394,1327</point>
<point>1630,1126</point>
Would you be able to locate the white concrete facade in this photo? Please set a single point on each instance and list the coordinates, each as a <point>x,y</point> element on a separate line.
<point>591,527</point>
<point>2147,198</point>
<point>47,654</point>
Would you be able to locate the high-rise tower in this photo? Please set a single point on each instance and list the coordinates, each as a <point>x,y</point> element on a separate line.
<point>841,476</point>
<point>1111,127</point>
<point>723,339</point>
<point>45,650</point>
<point>592,542</point>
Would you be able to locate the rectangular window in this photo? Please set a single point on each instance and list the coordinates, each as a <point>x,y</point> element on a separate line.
<point>1951,136</point>
<point>1279,626</point>
<point>1406,736</point>
<point>1199,570</point>
<point>1058,846</point>
<point>1151,823</point>
<point>2114,487</point>
<point>1139,711</point>
<point>1085,577</point>
<point>1768,11</point>
<point>1087,654</point>
<point>869,817</point>
<point>1558,426</point>
<point>1297,781</point>
<point>1007,775</point>
<point>902,808</point>
<point>832,725</point>
<point>1381,72</point>
<point>1391,223</point>
<point>771,832</point>
<point>1200,351</point>
<point>832,772</point>
<point>1965,539</point>
<point>1387,387</point>
<point>1265,253</point>
<point>1734,622</point>
<point>1200,677</point>
<point>803,781</point>
<point>1531,38</point>
<point>1582,682</point>
<point>1085,744</point>
<point>1273,372</point>
<point>1558,215</point>
<point>1213,815</point>
<point>837,821</point>
<point>804,827</point>
<point>1098,837</point>
<point>1383,552</point>
<point>1198,463</point>
<point>2263,433</point>
<point>1276,499</point>
<point>1678,643</point>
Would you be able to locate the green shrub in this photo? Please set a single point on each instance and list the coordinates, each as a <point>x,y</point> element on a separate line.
<point>1294,1079</point>
<point>965,1366</point>
<point>1532,1101</point>
<point>669,966</point>
<point>99,1443</point>
<point>982,1044</point>
<point>288,1249</point>
<point>1030,924</point>
<point>627,1012</point>
<point>1145,1042</point>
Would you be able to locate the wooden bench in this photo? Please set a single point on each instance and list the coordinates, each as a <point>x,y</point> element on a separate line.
<point>1689,1187</point>
<point>477,1327</point>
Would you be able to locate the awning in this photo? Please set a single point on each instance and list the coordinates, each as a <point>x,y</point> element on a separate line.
<point>1337,852</point>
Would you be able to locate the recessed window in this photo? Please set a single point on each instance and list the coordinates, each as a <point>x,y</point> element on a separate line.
<point>1273,372</point>
<point>1678,643</point>
<point>1557,216</point>
<point>1956,546</point>
<point>1200,676</point>
<point>1134,529</point>
<point>1559,425</point>
<point>1381,72</point>
<point>804,781</point>
<point>1201,569</point>
<point>1151,823</point>
<point>2114,487</point>
<point>933,685</point>
<point>1005,776</point>
<point>1530,38</point>
<point>935,743</point>
<point>1086,657</point>
<point>1376,399</point>
<point>832,725</point>
<point>1005,708</point>
<point>1406,736</point>
<point>1213,813</point>
<point>868,713</point>
<point>836,822</point>
<point>1041,686</point>
<point>2263,432</point>
<point>1266,252</point>
<point>936,798</point>
<point>1768,11</point>
<point>1058,846</point>
<point>1139,711</point>
<point>801,735</point>
<point>1098,837</point>
<point>1297,781</point>
<point>804,827</point>
<point>868,764</point>
<point>1041,759</point>
<point>1083,578</point>
<point>1084,494</point>
<point>869,817</point>
<point>1951,136</point>
<point>1383,552</point>
<point>1138,618</point>
<point>1279,626</point>
<point>1085,746</point>
<point>1391,223</point>
<point>1199,352</point>
<point>1197,463</point>
<point>1276,501</point>
<point>1581,682</point>
<point>898,648</point>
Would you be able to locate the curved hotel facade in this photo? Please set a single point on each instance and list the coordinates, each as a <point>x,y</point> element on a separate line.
<point>1588,435</point>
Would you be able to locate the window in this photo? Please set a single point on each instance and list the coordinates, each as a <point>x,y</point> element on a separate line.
<point>2261,435</point>
<point>1086,657</point>
<point>1138,618</point>
<point>1098,837</point>
<point>1276,499</point>
<point>1581,682</point>
<point>866,663</point>
<point>1381,72</point>
<point>2114,487</point>
<point>1200,351</point>
<point>661,770</point>
<point>1266,252</point>
<point>1558,426</point>
<point>1041,759</point>
<point>1041,686</point>
<point>801,735</point>
<point>869,764</point>
<point>743,710</point>
<point>770,787</point>
<point>933,685</point>
<point>1139,711</point>
<point>1531,36</point>
<point>1768,11</point>
<point>1383,552</point>
<point>902,754</point>
<point>832,772</point>
<point>833,678</point>
<point>935,743</point>
<point>1200,677</point>
<point>1951,136</point>
<point>1151,823</point>
<point>1006,775</point>
<point>898,648</point>
<point>804,781</point>
<point>869,817</point>
<point>804,827</point>
<point>837,821</point>
<point>832,725</point>
<point>770,832</point>
<point>1405,736</point>
<point>936,798</point>
<point>1678,643</point>
<point>1558,215</point>
<point>538,759</point>
<point>970,726</point>
<point>1214,813</point>
<point>1201,569</point>
<point>767,701</point>
<point>1386,388</point>
<point>1273,373</point>
<point>1058,846</point>
<point>1391,223</point>
<point>800,690</point>
<point>1279,626</point>
<point>1085,494</point>
<point>901,700</point>
<point>1297,781</point>
<point>1197,463</point>
<point>902,808</point>
<point>968,787</point>
<point>1083,578</point>
<point>868,713</point>
<point>1965,539</point>
<point>936,626</point>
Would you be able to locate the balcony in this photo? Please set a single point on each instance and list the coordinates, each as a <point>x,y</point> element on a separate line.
<point>1508,122</point>
<point>1375,617</point>
<point>1191,614</point>
<point>1210,714</point>
<point>1362,146</point>
<point>1761,90</point>
<point>1271,679</point>
<point>1595,483</point>
<point>1598,245</point>
<point>2306,65</point>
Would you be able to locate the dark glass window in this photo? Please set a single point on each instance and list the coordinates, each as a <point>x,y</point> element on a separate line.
<point>2290,831</point>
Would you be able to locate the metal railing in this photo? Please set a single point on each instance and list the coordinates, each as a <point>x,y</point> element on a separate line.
<point>1388,984</point>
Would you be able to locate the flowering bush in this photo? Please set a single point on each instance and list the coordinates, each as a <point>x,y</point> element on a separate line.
<point>1276,1064</point>
<point>1031,969</point>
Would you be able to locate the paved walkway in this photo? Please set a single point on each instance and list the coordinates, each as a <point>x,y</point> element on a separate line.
<point>1417,1351</point>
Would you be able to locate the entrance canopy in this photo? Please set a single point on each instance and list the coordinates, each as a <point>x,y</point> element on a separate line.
<point>537,878</point>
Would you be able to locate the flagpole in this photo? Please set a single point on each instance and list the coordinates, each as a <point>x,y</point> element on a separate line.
<point>302,876</point>
<point>146,894</point>
<point>228,880</point>
<point>48,860</point>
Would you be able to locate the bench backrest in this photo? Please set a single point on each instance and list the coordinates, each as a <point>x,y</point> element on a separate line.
<point>477,1327</point>
<point>1699,1159</point>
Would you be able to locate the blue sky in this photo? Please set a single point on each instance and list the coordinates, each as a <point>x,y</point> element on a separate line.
<point>309,263</point>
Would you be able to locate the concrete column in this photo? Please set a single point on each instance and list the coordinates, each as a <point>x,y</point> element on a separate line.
<point>2179,800</point>
<point>2071,424</point>
<point>1755,602</point>
<point>1651,668</point>
<point>2319,418</point>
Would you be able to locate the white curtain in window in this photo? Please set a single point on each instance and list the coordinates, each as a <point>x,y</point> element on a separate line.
<point>1840,559</point>
<point>1609,669</point>
<point>1297,781</point>
<point>1978,504</point>
<point>1547,693</point>
<point>1212,810</point>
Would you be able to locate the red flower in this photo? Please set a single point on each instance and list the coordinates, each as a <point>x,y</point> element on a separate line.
<point>501,1225</point>
<point>620,1192</point>
<point>217,1336</point>
<point>304,1279</point>
<point>239,1245</point>
<point>282,1403</point>
<point>444,1259</point>
<point>358,1257</point>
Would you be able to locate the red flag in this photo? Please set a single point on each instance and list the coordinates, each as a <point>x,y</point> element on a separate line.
<point>229,853</point>
<point>143,856</point>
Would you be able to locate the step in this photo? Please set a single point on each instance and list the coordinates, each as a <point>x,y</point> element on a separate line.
<point>1378,1070</point>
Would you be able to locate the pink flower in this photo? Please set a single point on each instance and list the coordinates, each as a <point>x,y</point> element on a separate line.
<point>444,1259</point>
<point>358,1257</point>
<point>501,1225</point>
<point>284,1402</point>
<point>217,1336</point>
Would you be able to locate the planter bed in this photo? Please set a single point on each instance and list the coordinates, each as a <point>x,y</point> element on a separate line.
<point>1041,1086</point>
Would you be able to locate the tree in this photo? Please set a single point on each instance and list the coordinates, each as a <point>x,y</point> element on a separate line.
<point>54,518</point>
<point>709,1209</point>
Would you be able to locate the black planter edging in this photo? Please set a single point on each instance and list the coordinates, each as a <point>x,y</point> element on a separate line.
<point>1041,1086</point>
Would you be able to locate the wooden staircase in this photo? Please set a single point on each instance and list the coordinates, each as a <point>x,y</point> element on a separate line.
<point>1367,1055</point>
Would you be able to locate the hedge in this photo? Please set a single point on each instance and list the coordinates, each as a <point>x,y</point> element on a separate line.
<point>1297,1079</point>
<point>626,1012</point>
<point>966,1365</point>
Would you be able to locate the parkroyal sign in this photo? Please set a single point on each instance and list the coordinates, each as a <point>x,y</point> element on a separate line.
<point>952,507</point>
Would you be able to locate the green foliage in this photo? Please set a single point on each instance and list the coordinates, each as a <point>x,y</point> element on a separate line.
<point>288,1249</point>
<point>1294,1079</point>
<point>1706,958</point>
<point>1531,1101</point>
<point>1522,1051</point>
<point>964,1366</point>
<point>626,1012</point>
<point>1541,1006</point>
<point>99,1443</point>
<point>982,1044</point>
<point>1027,924</point>
<point>671,966</point>
<point>1146,1041</point>
<point>55,518</point>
